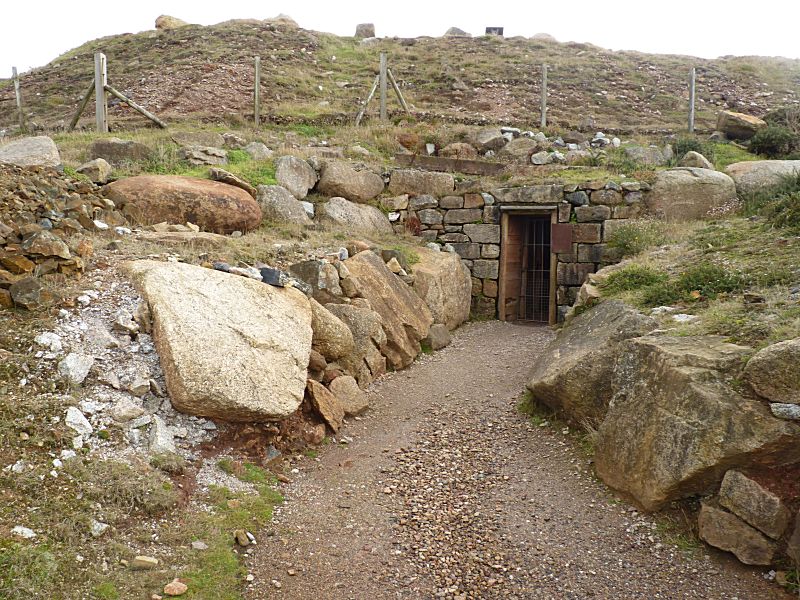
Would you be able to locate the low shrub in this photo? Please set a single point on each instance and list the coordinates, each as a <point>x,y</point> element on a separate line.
<point>633,277</point>
<point>710,280</point>
<point>775,141</point>
<point>691,144</point>
<point>637,236</point>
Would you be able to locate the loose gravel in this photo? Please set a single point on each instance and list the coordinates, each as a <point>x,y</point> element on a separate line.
<point>444,490</point>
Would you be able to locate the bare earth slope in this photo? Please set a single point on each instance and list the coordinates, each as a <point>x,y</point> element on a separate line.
<point>446,491</point>
<point>207,72</point>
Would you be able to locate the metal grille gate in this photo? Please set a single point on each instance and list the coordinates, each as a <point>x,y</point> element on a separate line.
<point>534,302</point>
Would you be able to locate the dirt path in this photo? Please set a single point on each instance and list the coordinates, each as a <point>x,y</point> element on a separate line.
<point>445,491</point>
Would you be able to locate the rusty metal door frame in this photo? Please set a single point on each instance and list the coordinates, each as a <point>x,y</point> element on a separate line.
<point>507,212</point>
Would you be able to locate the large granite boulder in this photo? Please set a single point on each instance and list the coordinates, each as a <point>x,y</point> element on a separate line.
<point>416,182</point>
<point>355,218</point>
<point>213,206</point>
<point>97,170</point>
<point>756,175</point>
<point>774,372</point>
<point>341,179</point>
<point>331,337</point>
<point>118,152</point>
<point>687,193</point>
<point>404,316</point>
<point>231,348</point>
<point>278,205</point>
<point>573,374</point>
<point>166,23</point>
<point>738,126</point>
<point>31,151</point>
<point>675,424</point>
<point>366,362</point>
<point>445,284</point>
<point>296,175</point>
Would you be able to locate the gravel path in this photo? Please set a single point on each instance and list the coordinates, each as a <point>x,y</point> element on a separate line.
<point>443,490</point>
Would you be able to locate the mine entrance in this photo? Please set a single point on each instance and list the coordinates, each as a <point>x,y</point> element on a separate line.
<point>527,268</point>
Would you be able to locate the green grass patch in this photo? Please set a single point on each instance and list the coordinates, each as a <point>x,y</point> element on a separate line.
<point>633,277</point>
<point>637,236</point>
<point>727,154</point>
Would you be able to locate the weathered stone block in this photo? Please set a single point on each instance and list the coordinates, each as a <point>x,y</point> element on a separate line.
<point>421,202</point>
<point>429,216</point>
<point>477,286</point>
<point>586,233</point>
<point>611,226</point>
<point>490,288</point>
<point>606,198</point>
<point>463,215</point>
<point>578,198</point>
<point>484,234</point>
<point>485,269</point>
<point>449,202</point>
<point>453,237</point>
<point>473,201</point>
<point>587,214</point>
<point>727,532</point>
<point>573,273</point>
<point>490,251</point>
<point>453,229</point>
<point>491,214</point>
<point>429,235</point>
<point>592,253</point>
<point>413,181</point>
<point>570,256</point>
<point>757,506</point>
<point>396,203</point>
<point>467,250</point>
<point>773,372</point>
<point>534,194</point>
<point>483,306</point>
<point>564,212</point>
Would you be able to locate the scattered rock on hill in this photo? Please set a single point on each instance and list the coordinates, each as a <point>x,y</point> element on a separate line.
<point>354,217</point>
<point>341,179</point>
<point>278,205</point>
<point>230,347</point>
<point>756,505</point>
<point>322,277</point>
<point>755,175</point>
<point>695,159</point>
<point>326,404</point>
<point>365,30</point>
<point>204,155</point>
<point>352,399</point>
<point>404,316</point>
<point>488,139</point>
<point>675,426</point>
<point>31,151</point>
<point>165,22</point>
<point>652,156</point>
<point>296,175</point>
<point>444,282</point>
<point>258,151</point>
<point>211,205</point>
<point>774,372</point>
<point>198,138</point>
<point>456,32</point>
<point>573,375</point>
<point>688,193</point>
<point>117,151</point>
<point>738,126</point>
<point>97,170</point>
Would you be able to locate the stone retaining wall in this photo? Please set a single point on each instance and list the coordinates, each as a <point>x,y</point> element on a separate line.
<point>470,223</point>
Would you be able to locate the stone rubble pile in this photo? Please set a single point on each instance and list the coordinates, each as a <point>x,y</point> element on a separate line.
<point>42,214</point>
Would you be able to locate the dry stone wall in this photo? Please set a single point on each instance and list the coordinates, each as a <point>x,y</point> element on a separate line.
<point>470,223</point>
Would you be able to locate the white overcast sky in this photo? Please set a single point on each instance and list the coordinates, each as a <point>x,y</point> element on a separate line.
<point>36,32</point>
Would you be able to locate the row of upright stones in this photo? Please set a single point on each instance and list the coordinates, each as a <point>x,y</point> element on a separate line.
<point>466,218</point>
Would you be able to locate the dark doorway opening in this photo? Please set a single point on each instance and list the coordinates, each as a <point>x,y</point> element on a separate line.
<point>527,269</point>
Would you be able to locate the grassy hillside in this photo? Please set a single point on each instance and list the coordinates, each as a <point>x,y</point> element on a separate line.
<point>206,73</point>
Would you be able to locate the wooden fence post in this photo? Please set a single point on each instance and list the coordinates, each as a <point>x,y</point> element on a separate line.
<point>257,93</point>
<point>18,95</point>
<point>383,86</point>
<point>544,97</point>
<point>691,100</point>
<point>100,82</point>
